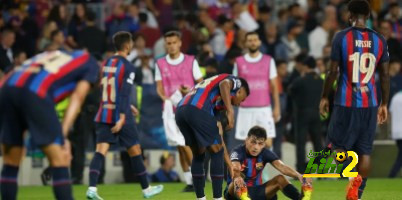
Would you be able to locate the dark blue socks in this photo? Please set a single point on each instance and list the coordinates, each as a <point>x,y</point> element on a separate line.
<point>216,167</point>
<point>8,182</point>
<point>62,183</point>
<point>197,170</point>
<point>95,168</point>
<point>139,170</point>
<point>361,188</point>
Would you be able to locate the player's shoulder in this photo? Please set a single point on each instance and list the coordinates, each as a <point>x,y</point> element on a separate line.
<point>268,154</point>
<point>238,152</point>
<point>379,35</point>
<point>340,34</point>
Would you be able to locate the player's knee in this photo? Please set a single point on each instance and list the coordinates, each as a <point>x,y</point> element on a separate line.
<point>102,148</point>
<point>281,181</point>
<point>134,150</point>
<point>59,160</point>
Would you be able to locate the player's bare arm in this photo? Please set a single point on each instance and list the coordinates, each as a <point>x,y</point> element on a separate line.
<point>332,74</point>
<point>275,94</point>
<point>225,87</point>
<point>119,124</point>
<point>286,170</point>
<point>160,91</point>
<point>384,82</point>
<point>76,100</point>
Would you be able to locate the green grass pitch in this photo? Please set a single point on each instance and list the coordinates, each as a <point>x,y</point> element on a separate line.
<point>389,189</point>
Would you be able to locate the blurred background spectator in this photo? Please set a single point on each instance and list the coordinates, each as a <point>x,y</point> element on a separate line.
<point>166,173</point>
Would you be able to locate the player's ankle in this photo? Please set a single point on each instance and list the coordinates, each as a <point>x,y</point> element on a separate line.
<point>91,188</point>
<point>202,198</point>
<point>146,189</point>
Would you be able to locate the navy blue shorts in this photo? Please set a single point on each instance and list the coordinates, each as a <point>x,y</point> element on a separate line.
<point>198,127</point>
<point>353,129</point>
<point>22,110</point>
<point>127,136</point>
<point>256,192</point>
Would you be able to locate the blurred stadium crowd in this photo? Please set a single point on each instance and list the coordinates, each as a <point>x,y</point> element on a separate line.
<point>212,30</point>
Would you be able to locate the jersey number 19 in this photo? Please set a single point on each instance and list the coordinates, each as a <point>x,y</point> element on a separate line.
<point>360,65</point>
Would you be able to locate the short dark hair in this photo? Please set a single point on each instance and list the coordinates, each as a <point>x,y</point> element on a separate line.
<point>279,62</point>
<point>301,57</point>
<point>91,16</point>
<point>251,33</point>
<point>7,31</point>
<point>143,17</point>
<point>244,84</point>
<point>359,7</point>
<point>264,9</point>
<point>392,5</point>
<point>172,33</point>
<point>120,39</point>
<point>54,33</point>
<point>222,19</point>
<point>258,132</point>
<point>310,62</point>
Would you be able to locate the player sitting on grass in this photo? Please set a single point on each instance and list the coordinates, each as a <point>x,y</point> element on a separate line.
<point>248,161</point>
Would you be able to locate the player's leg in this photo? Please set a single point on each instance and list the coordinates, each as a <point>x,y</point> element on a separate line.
<point>46,132</point>
<point>197,170</point>
<point>216,167</point>
<point>104,137</point>
<point>183,116</point>
<point>279,182</point>
<point>128,138</point>
<point>185,156</point>
<point>59,160</point>
<point>97,162</point>
<point>398,162</point>
<point>11,130</point>
<point>364,145</point>
<point>363,168</point>
<point>12,156</point>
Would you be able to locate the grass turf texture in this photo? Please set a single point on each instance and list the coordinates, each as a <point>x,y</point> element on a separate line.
<point>323,189</point>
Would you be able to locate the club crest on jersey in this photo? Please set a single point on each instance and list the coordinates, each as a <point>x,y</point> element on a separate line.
<point>259,166</point>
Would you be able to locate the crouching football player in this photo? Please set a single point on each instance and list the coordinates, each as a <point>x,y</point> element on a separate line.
<point>248,161</point>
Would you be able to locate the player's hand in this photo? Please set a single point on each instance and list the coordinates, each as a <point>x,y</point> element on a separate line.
<point>382,114</point>
<point>239,182</point>
<point>276,114</point>
<point>307,181</point>
<point>184,90</point>
<point>230,116</point>
<point>324,107</point>
<point>134,110</point>
<point>117,127</point>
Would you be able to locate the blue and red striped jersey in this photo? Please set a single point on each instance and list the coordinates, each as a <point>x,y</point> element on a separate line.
<point>359,51</point>
<point>117,79</point>
<point>251,166</point>
<point>206,94</point>
<point>53,74</point>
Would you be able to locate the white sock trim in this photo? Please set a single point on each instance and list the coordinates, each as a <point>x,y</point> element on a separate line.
<point>93,189</point>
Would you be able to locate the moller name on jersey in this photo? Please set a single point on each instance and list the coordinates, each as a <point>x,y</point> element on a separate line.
<point>363,43</point>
